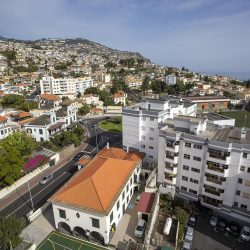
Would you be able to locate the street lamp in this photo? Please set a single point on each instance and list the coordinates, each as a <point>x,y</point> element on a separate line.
<point>32,204</point>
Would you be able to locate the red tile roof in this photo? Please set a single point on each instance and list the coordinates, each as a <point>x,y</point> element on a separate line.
<point>98,185</point>
<point>3,118</point>
<point>146,202</point>
<point>50,97</point>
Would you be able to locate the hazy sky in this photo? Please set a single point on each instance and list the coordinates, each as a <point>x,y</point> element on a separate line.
<point>202,35</point>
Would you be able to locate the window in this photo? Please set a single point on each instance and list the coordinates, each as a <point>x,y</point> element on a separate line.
<point>131,192</point>
<point>188,144</point>
<point>151,129</point>
<point>248,170</point>
<point>186,156</point>
<point>194,181</point>
<point>117,205</point>
<point>143,128</point>
<point>197,158</point>
<point>243,206</point>
<point>127,188</point>
<point>62,213</point>
<point>242,168</point>
<point>40,131</point>
<point>185,167</point>
<point>240,180</point>
<point>127,199</point>
<point>151,138</point>
<point>150,156</point>
<point>197,146</point>
<point>183,188</point>
<point>123,195</point>
<point>151,119</point>
<point>95,223</point>
<point>192,191</point>
<point>142,146</point>
<point>143,137</point>
<point>131,180</point>
<point>143,118</point>
<point>244,155</point>
<point>184,178</point>
<point>237,192</point>
<point>236,203</point>
<point>150,147</point>
<point>77,215</point>
<point>196,170</point>
<point>111,217</point>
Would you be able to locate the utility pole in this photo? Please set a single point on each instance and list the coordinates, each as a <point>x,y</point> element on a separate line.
<point>32,204</point>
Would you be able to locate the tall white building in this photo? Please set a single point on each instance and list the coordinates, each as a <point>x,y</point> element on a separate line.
<point>61,86</point>
<point>140,123</point>
<point>206,163</point>
<point>171,80</point>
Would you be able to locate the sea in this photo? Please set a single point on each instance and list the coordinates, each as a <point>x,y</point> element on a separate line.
<point>243,76</point>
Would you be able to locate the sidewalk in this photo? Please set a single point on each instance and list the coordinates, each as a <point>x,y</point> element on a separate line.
<point>33,182</point>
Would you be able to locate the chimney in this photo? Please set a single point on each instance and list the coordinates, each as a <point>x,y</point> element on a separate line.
<point>107,145</point>
<point>127,149</point>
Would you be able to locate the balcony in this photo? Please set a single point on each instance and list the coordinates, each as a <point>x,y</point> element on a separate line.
<point>211,202</point>
<point>170,178</point>
<point>171,169</point>
<point>222,172</point>
<point>213,180</point>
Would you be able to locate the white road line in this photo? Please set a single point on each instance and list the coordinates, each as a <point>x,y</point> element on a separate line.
<point>37,193</point>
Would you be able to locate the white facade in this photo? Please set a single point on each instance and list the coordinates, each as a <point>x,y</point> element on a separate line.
<point>207,163</point>
<point>65,86</point>
<point>140,124</point>
<point>92,99</point>
<point>171,80</point>
<point>5,128</point>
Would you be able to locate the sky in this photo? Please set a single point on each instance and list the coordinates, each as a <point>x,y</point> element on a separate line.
<point>202,35</point>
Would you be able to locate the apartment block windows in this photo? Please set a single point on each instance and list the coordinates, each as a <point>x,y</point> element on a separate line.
<point>237,192</point>
<point>236,203</point>
<point>186,156</point>
<point>40,131</point>
<point>111,217</point>
<point>150,147</point>
<point>188,144</point>
<point>183,188</point>
<point>248,170</point>
<point>143,137</point>
<point>151,129</point>
<point>95,223</point>
<point>192,191</point>
<point>196,158</point>
<point>243,206</point>
<point>197,146</point>
<point>62,213</point>
<point>194,181</point>
<point>196,170</point>
<point>242,168</point>
<point>151,138</point>
<point>142,146</point>
<point>244,155</point>
<point>150,156</point>
<point>151,119</point>
<point>240,181</point>
<point>117,205</point>
<point>185,167</point>
<point>184,178</point>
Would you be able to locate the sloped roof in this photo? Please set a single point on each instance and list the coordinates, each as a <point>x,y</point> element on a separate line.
<point>3,118</point>
<point>119,94</point>
<point>41,120</point>
<point>62,112</point>
<point>26,121</point>
<point>98,185</point>
<point>146,202</point>
<point>49,97</point>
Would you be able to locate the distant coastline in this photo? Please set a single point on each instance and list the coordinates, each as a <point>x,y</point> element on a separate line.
<point>236,75</point>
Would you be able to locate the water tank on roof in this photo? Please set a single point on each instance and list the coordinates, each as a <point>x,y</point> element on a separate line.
<point>167,226</point>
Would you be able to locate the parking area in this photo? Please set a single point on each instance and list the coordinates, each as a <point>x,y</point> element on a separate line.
<point>207,237</point>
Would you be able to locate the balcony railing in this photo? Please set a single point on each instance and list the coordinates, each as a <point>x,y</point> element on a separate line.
<point>220,157</point>
<point>212,202</point>
<point>170,157</point>
<point>216,181</point>
<point>220,170</point>
<point>211,191</point>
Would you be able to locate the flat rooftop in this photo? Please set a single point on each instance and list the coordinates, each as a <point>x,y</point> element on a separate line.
<point>215,116</point>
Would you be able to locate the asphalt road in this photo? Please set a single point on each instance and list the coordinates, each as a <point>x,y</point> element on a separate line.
<point>41,192</point>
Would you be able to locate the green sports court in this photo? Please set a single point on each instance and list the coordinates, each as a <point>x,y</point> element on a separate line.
<point>57,241</point>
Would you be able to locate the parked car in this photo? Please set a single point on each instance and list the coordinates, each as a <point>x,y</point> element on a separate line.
<point>245,233</point>
<point>192,220</point>
<point>189,234</point>
<point>46,179</point>
<point>213,220</point>
<point>140,228</point>
<point>234,228</point>
<point>187,245</point>
<point>222,225</point>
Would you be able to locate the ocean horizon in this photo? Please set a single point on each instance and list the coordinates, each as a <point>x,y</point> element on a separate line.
<point>243,76</point>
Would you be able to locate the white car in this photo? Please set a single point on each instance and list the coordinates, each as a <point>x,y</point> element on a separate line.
<point>187,245</point>
<point>245,233</point>
<point>189,234</point>
<point>140,228</point>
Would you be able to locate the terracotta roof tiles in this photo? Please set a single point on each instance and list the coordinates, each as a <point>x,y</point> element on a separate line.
<point>50,97</point>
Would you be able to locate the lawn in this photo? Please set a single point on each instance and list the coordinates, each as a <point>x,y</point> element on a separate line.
<point>57,241</point>
<point>239,117</point>
<point>112,125</point>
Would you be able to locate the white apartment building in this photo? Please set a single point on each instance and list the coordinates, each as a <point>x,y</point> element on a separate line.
<point>141,121</point>
<point>64,86</point>
<point>5,127</point>
<point>106,185</point>
<point>170,80</point>
<point>206,163</point>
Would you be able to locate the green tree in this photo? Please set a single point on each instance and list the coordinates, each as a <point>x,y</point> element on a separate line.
<point>10,229</point>
<point>145,85</point>
<point>84,109</point>
<point>181,215</point>
<point>166,202</point>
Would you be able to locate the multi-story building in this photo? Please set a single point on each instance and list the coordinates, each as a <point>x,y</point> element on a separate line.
<point>207,163</point>
<point>119,97</point>
<point>170,79</point>
<point>5,127</point>
<point>93,202</point>
<point>140,123</point>
<point>64,86</point>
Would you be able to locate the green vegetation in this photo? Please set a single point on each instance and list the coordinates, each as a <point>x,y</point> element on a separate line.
<point>58,241</point>
<point>84,109</point>
<point>10,228</point>
<point>18,102</point>
<point>113,125</point>
<point>14,152</point>
<point>63,139</point>
<point>104,95</point>
<point>239,117</point>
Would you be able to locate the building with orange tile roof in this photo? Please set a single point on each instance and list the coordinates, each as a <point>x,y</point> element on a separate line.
<point>119,97</point>
<point>94,200</point>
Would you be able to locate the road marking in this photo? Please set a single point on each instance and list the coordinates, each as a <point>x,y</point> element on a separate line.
<point>37,194</point>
